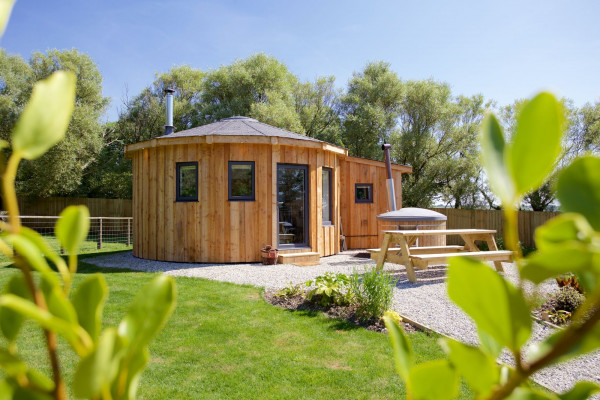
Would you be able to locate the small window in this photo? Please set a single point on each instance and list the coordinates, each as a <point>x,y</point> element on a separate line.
<point>187,181</point>
<point>363,193</point>
<point>241,180</point>
<point>327,206</point>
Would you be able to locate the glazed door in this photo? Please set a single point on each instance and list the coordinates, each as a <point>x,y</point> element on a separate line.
<point>292,205</point>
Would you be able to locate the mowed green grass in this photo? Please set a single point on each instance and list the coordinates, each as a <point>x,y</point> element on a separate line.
<point>225,342</point>
<point>87,247</point>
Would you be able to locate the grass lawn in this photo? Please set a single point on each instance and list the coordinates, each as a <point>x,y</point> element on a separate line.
<point>225,341</point>
<point>87,247</point>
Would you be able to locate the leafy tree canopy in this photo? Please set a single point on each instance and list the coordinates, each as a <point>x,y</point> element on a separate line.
<point>61,170</point>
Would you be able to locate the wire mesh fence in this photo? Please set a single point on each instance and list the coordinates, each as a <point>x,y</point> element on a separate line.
<point>105,234</point>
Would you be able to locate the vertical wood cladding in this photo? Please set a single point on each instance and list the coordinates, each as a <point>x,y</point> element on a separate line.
<point>214,229</point>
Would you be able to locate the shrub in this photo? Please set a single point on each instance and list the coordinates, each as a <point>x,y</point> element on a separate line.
<point>394,316</point>
<point>290,290</point>
<point>569,281</point>
<point>373,293</point>
<point>568,299</point>
<point>330,289</point>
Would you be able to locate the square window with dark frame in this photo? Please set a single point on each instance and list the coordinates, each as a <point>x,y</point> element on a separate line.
<point>327,209</point>
<point>187,181</point>
<point>363,193</point>
<point>241,180</point>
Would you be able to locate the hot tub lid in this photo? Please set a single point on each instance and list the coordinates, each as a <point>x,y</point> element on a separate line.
<point>412,214</point>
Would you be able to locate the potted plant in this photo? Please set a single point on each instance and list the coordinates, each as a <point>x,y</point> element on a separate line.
<point>269,255</point>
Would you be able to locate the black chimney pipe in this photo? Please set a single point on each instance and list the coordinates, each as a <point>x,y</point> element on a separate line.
<point>390,181</point>
<point>169,128</point>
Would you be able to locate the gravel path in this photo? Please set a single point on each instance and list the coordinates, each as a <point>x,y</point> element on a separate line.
<point>425,302</point>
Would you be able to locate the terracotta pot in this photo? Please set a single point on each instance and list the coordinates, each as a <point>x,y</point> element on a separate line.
<point>269,255</point>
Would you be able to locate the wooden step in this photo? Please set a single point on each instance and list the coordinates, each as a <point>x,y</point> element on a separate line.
<point>305,258</point>
<point>296,250</point>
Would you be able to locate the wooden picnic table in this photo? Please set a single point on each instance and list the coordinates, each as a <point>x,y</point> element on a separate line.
<point>421,257</point>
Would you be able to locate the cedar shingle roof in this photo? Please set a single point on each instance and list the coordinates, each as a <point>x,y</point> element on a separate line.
<point>239,126</point>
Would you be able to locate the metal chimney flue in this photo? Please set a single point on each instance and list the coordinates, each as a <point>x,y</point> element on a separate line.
<point>169,128</point>
<point>389,181</point>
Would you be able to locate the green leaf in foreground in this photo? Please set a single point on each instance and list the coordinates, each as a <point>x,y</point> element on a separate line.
<point>478,369</point>
<point>578,189</point>
<point>11,321</point>
<point>581,390</point>
<point>72,227</point>
<point>493,155</point>
<point>433,380</point>
<point>45,249</point>
<point>402,351</point>
<point>74,335</point>
<point>88,301</point>
<point>5,9</point>
<point>57,303</point>
<point>96,370</point>
<point>497,307</point>
<point>522,393</point>
<point>536,143</point>
<point>149,311</point>
<point>136,365</point>
<point>32,254</point>
<point>565,228</point>
<point>46,116</point>
<point>587,344</point>
<point>553,262</point>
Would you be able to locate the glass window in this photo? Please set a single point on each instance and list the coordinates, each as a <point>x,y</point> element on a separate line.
<point>241,180</point>
<point>363,193</point>
<point>327,206</point>
<point>187,181</point>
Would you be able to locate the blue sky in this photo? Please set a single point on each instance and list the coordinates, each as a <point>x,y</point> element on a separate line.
<point>502,49</point>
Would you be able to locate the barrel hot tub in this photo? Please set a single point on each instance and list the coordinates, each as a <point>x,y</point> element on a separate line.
<point>411,218</point>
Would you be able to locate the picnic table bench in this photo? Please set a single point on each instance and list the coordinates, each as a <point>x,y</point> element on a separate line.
<point>422,257</point>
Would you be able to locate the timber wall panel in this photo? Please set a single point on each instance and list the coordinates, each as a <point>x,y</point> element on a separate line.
<point>214,229</point>
<point>359,219</point>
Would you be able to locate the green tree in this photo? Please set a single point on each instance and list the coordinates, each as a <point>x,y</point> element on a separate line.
<point>61,169</point>
<point>371,107</point>
<point>143,117</point>
<point>258,86</point>
<point>585,133</point>
<point>318,107</point>
<point>16,81</point>
<point>438,139</point>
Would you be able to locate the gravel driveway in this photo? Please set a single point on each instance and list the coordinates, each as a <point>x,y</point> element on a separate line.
<point>425,302</point>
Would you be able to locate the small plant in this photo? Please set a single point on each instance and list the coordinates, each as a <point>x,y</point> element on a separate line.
<point>290,290</point>
<point>394,316</point>
<point>569,280</point>
<point>559,317</point>
<point>568,299</point>
<point>373,293</point>
<point>330,289</point>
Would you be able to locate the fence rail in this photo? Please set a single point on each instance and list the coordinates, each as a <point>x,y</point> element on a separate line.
<point>106,233</point>
<point>494,219</point>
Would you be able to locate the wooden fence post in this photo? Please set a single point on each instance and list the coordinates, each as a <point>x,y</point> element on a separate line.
<point>100,235</point>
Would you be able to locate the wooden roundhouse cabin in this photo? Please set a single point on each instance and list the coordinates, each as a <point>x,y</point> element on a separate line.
<point>218,193</point>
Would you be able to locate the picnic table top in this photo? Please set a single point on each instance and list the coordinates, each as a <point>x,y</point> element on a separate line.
<point>435,232</point>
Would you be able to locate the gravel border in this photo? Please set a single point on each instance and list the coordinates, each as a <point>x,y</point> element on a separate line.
<point>425,301</point>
